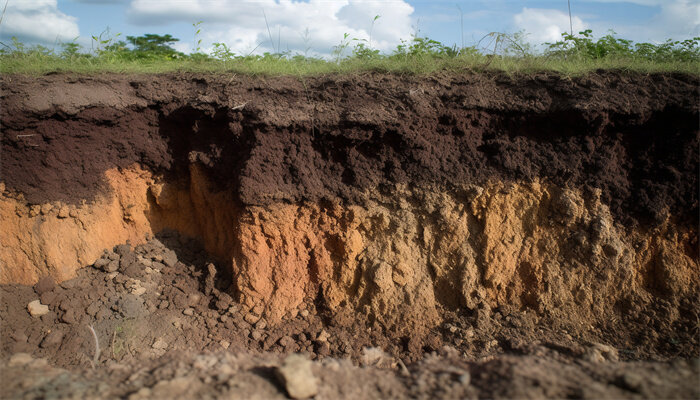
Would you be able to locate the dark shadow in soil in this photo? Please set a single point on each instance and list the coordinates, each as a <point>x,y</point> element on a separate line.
<point>190,251</point>
<point>268,373</point>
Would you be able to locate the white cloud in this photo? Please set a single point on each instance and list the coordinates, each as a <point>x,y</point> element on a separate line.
<point>546,25</point>
<point>293,25</point>
<point>678,19</point>
<point>38,21</point>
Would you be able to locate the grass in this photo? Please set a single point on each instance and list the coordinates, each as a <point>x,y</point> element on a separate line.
<point>574,55</point>
<point>32,65</point>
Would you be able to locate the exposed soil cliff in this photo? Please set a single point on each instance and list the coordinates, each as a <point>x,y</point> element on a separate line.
<point>396,198</point>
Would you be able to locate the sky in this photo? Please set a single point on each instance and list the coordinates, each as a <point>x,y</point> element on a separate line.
<point>313,27</point>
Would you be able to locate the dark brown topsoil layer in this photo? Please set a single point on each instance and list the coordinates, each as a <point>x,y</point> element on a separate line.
<point>633,136</point>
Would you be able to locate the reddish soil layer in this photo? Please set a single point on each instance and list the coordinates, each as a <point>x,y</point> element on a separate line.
<point>635,137</point>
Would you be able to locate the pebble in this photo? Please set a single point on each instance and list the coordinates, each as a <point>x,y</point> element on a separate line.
<point>256,335</point>
<point>251,318</point>
<point>296,376</point>
<point>36,309</point>
<point>188,311</point>
<point>323,336</point>
<point>138,290</point>
<point>225,344</point>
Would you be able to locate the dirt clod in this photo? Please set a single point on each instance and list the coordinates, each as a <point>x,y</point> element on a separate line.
<point>297,377</point>
<point>45,284</point>
<point>601,353</point>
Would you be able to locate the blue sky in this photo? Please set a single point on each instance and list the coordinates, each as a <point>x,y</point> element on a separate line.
<point>315,26</point>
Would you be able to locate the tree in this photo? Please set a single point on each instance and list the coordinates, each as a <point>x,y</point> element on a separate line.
<point>153,44</point>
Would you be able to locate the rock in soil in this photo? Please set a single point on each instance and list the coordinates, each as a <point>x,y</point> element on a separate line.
<point>296,376</point>
<point>36,309</point>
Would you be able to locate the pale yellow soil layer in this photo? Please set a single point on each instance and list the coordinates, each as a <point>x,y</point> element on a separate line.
<point>398,258</point>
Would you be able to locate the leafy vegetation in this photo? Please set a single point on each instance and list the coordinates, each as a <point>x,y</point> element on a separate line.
<point>584,46</point>
<point>151,53</point>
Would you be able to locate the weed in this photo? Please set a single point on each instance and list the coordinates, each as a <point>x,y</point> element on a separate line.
<point>104,42</point>
<point>584,46</point>
<point>121,338</point>
<point>197,39</point>
<point>222,52</point>
<point>339,50</point>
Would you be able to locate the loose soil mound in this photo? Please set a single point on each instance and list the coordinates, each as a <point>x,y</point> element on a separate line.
<point>374,218</point>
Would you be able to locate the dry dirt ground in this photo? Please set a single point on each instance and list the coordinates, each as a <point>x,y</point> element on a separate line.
<point>363,236</point>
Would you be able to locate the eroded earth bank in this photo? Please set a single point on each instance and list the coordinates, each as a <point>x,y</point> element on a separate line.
<point>474,235</point>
